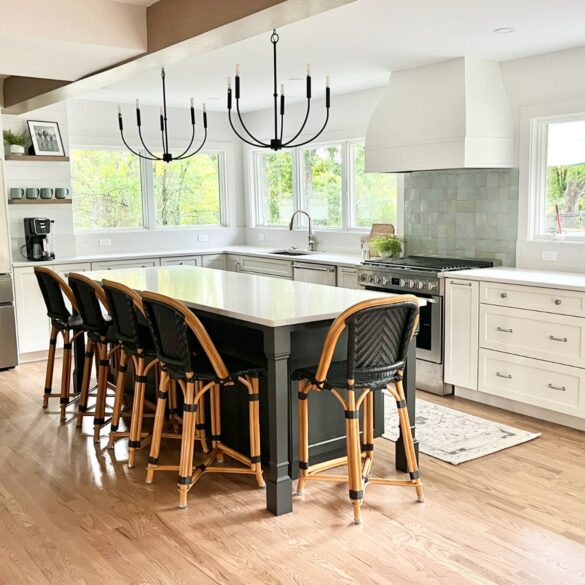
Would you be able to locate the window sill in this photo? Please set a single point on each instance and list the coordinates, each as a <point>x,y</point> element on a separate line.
<point>578,240</point>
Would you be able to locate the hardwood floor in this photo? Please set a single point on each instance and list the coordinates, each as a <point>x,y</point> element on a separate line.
<point>71,513</point>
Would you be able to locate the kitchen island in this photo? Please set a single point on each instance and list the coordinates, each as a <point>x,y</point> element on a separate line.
<point>280,325</point>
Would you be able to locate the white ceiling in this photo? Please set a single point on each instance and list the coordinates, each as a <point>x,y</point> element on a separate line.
<point>361,43</point>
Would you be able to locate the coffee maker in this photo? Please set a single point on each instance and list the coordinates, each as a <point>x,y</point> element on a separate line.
<point>38,237</point>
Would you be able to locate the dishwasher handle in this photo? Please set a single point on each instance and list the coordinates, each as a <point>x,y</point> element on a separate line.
<point>315,267</point>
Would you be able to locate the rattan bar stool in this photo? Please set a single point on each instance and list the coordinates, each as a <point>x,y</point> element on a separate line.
<point>191,358</point>
<point>137,345</point>
<point>378,335</point>
<point>91,303</point>
<point>64,322</point>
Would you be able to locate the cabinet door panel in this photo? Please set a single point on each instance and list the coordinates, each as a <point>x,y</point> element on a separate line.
<point>347,278</point>
<point>217,261</point>
<point>461,332</point>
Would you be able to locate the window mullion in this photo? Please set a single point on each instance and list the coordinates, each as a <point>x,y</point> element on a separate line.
<point>147,187</point>
<point>348,185</point>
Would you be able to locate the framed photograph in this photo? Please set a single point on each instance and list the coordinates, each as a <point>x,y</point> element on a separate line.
<point>46,138</point>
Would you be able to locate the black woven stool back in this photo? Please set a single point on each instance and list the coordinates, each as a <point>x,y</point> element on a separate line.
<point>87,294</point>
<point>130,325</point>
<point>378,339</point>
<point>179,336</point>
<point>52,286</point>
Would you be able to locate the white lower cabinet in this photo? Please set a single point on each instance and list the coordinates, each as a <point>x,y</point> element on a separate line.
<point>181,261</point>
<point>217,261</point>
<point>545,384</point>
<point>461,332</point>
<point>347,277</point>
<point>232,263</point>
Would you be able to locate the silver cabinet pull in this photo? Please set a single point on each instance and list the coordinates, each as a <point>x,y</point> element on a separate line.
<point>553,387</point>
<point>507,376</point>
<point>502,330</point>
<point>504,295</point>
<point>454,282</point>
<point>558,302</point>
<point>553,338</point>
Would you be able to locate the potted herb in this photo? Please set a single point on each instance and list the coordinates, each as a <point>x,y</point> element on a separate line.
<point>16,142</point>
<point>387,246</point>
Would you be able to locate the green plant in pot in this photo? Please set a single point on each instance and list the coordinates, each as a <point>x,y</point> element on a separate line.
<point>387,246</point>
<point>16,142</point>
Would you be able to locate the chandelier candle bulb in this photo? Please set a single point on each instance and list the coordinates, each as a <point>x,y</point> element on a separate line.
<point>238,70</point>
<point>308,70</point>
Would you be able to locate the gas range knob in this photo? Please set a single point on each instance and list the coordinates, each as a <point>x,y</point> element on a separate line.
<point>411,284</point>
<point>370,278</point>
<point>432,285</point>
<point>403,282</point>
<point>384,280</point>
<point>363,277</point>
<point>420,284</point>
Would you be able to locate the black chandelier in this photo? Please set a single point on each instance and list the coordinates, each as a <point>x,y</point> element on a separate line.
<point>275,143</point>
<point>167,156</point>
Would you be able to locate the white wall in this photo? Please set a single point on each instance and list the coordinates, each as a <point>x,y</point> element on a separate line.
<point>350,114</point>
<point>553,79</point>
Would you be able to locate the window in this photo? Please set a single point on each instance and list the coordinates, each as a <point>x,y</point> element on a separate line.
<point>187,192</point>
<point>274,187</point>
<point>329,181</point>
<point>114,189</point>
<point>376,194</point>
<point>322,180</point>
<point>558,177</point>
<point>107,189</point>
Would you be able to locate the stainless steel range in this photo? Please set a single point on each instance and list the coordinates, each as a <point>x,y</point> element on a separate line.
<point>420,275</point>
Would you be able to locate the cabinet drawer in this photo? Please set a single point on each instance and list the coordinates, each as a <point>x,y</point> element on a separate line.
<point>555,338</point>
<point>266,266</point>
<point>181,261</point>
<point>560,302</point>
<point>548,385</point>
<point>120,264</point>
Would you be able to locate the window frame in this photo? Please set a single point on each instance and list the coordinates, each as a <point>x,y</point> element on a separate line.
<point>299,201</point>
<point>147,194</point>
<point>537,177</point>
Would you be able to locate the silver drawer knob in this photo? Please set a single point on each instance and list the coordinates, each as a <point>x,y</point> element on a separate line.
<point>553,338</point>
<point>507,376</point>
<point>502,330</point>
<point>504,295</point>
<point>558,302</point>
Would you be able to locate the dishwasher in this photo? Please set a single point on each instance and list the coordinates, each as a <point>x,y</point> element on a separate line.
<point>8,349</point>
<point>315,273</point>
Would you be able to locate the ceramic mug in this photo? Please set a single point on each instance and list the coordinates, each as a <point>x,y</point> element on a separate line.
<point>16,193</point>
<point>46,193</point>
<point>32,193</point>
<point>61,193</point>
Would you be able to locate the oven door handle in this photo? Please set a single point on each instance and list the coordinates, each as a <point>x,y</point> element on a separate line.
<point>431,301</point>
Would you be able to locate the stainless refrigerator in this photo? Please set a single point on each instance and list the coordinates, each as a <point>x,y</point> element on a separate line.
<point>8,346</point>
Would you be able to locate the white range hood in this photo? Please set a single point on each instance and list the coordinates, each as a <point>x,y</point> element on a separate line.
<point>450,115</point>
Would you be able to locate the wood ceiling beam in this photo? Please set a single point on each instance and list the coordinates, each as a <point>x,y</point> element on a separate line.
<point>177,30</point>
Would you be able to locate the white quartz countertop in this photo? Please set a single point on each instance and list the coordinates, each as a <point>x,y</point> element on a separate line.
<point>339,259</point>
<point>524,276</point>
<point>273,302</point>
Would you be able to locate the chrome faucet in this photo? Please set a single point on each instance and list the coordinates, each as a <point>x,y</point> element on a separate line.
<point>312,242</point>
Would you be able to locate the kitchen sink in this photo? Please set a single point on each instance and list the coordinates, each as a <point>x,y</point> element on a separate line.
<point>293,252</point>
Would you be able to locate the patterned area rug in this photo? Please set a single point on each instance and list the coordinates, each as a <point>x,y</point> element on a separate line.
<point>453,436</point>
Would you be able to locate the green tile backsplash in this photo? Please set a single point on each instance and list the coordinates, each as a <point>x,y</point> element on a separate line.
<point>464,213</point>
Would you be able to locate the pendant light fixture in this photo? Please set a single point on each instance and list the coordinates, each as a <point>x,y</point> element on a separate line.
<point>277,142</point>
<point>166,156</point>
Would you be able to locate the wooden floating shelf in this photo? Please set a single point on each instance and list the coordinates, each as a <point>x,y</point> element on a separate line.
<point>39,201</point>
<point>35,158</point>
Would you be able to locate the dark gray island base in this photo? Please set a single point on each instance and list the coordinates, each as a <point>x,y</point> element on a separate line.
<point>281,350</point>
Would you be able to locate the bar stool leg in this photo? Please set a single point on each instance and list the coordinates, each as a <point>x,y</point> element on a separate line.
<point>173,405</point>
<point>134,441</point>
<point>216,421</point>
<point>188,437</point>
<point>159,421</point>
<point>100,406</point>
<point>200,426</point>
<point>84,393</point>
<point>352,429</point>
<point>368,446</point>
<point>120,385</point>
<point>303,396</point>
<point>50,366</point>
<point>410,453</point>
<point>255,453</point>
<point>65,373</point>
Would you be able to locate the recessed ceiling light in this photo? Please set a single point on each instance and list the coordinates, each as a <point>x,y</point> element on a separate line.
<point>504,30</point>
